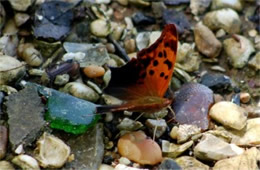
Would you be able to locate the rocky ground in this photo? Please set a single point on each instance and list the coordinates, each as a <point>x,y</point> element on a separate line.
<point>55,59</point>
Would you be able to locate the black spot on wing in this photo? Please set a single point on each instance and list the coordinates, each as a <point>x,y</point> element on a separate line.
<point>172,45</point>
<point>160,54</point>
<point>168,63</point>
<point>143,75</point>
<point>164,54</point>
<point>151,72</point>
<point>155,63</point>
<point>145,62</point>
<point>161,74</point>
<point>166,77</point>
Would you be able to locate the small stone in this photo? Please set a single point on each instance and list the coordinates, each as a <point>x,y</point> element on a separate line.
<point>5,165</point>
<point>124,161</point>
<point>229,114</point>
<point>188,162</point>
<point>103,1</point>
<point>3,141</point>
<point>21,5</point>
<point>239,50</point>
<point>19,150</point>
<point>251,137</point>
<point>218,68</point>
<point>199,6</point>
<point>157,9</point>
<point>219,83</point>
<point>21,18</point>
<point>248,160</point>
<point>117,30</point>
<point>138,148</point>
<point>184,132</point>
<point>129,125</point>
<point>168,164</point>
<point>173,150</point>
<point>11,69</point>
<point>206,41</point>
<point>234,4</point>
<point>100,28</point>
<point>245,97</point>
<point>94,71</point>
<point>61,79</point>
<point>220,33</point>
<point>109,117</point>
<point>78,56</point>
<point>2,16</point>
<point>123,2</point>
<point>255,62</point>
<point>140,3</point>
<point>142,40</point>
<point>105,167</point>
<point>204,150</point>
<point>218,98</point>
<point>252,33</point>
<point>124,167</point>
<point>110,48</point>
<point>226,19</point>
<point>26,162</point>
<point>141,19</point>
<point>159,126</point>
<point>130,45</point>
<point>51,152</point>
<point>81,91</point>
<point>156,115</point>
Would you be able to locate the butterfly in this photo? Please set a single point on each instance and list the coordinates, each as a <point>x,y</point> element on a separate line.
<point>143,81</point>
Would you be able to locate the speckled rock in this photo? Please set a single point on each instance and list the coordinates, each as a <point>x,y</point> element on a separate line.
<point>204,150</point>
<point>229,114</point>
<point>206,41</point>
<point>226,19</point>
<point>188,162</point>
<point>239,50</point>
<point>248,160</point>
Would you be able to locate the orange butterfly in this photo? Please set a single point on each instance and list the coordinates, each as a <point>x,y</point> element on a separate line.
<point>142,82</point>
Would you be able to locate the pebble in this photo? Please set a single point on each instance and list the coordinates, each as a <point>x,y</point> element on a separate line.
<point>21,18</point>
<point>229,114</point>
<point>140,18</point>
<point>130,45</point>
<point>29,54</point>
<point>81,91</point>
<point>206,41</point>
<point>199,6</point>
<point>245,97</point>
<point>139,3</point>
<point>173,150</point>
<point>19,150</point>
<point>251,136</point>
<point>103,1</point>
<point>124,167</point>
<point>218,68</point>
<point>156,126</point>
<point>255,62</point>
<point>220,33</point>
<point>168,163</point>
<point>62,79</point>
<point>248,160</point>
<point>226,19</point>
<point>26,162</point>
<point>234,4</point>
<point>77,56</point>
<point>21,5</point>
<point>100,28</point>
<point>142,40</point>
<point>2,16</point>
<point>123,2</point>
<point>11,69</point>
<point>117,30</point>
<point>110,48</point>
<point>138,148</point>
<point>51,152</point>
<point>105,167</point>
<point>188,162</point>
<point>129,125</point>
<point>124,161</point>
<point>252,33</point>
<point>154,35</point>
<point>204,150</point>
<point>3,141</point>
<point>5,165</point>
<point>94,71</point>
<point>184,132</point>
<point>157,9</point>
<point>239,50</point>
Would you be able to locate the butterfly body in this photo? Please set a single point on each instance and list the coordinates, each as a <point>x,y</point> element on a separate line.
<point>143,81</point>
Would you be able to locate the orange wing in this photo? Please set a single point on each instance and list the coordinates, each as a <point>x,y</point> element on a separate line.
<point>150,73</point>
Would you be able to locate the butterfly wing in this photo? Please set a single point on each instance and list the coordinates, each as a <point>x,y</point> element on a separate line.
<point>148,75</point>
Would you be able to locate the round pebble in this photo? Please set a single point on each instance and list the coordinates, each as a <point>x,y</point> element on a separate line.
<point>245,97</point>
<point>130,45</point>
<point>110,48</point>
<point>94,71</point>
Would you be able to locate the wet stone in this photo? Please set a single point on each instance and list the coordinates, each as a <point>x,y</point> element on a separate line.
<point>141,19</point>
<point>219,83</point>
<point>25,112</point>
<point>88,149</point>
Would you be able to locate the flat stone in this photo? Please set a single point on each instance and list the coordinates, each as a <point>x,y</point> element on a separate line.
<point>188,162</point>
<point>88,149</point>
<point>248,160</point>
<point>25,112</point>
<point>229,114</point>
<point>251,137</point>
<point>173,150</point>
<point>204,150</point>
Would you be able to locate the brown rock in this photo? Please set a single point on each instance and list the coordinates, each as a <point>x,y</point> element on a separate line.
<point>93,71</point>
